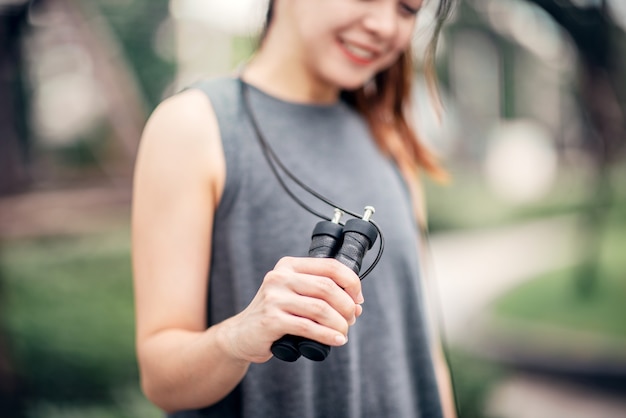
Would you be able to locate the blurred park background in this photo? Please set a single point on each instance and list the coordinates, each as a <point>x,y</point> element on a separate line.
<point>527,261</point>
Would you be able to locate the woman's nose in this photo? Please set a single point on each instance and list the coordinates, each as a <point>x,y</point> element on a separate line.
<point>382,18</point>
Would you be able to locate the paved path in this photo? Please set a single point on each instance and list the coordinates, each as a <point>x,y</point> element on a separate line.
<point>526,396</point>
<point>475,267</point>
<point>70,211</point>
<point>472,268</point>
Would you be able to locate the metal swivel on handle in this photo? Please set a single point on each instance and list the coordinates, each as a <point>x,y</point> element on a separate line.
<point>324,243</point>
<point>359,235</point>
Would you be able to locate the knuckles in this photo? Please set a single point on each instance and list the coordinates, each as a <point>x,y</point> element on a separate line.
<point>286,262</point>
<point>302,328</point>
<point>348,278</point>
<point>276,277</point>
<point>336,269</point>
<point>326,287</point>
<point>319,309</point>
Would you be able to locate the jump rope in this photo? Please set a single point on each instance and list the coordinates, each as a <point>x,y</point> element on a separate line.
<point>348,243</point>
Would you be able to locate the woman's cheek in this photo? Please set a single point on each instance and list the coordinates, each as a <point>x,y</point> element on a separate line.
<point>388,61</point>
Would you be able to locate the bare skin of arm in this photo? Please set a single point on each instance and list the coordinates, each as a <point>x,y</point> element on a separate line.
<point>442,372</point>
<point>179,179</point>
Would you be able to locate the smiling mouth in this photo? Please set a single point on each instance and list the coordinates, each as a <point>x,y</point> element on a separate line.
<point>358,54</point>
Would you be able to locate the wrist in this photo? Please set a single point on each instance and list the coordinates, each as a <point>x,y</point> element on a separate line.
<point>226,343</point>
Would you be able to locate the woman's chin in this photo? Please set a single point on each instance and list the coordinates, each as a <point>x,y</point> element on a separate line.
<point>353,83</point>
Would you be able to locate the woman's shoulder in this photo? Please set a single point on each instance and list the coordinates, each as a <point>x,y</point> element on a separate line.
<point>183,127</point>
<point>220,91</point>
<point>189,108</point>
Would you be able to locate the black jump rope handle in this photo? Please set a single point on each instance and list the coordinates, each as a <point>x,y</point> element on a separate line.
<point>347,244</point>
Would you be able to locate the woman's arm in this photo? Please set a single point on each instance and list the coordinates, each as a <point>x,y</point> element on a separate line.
<point>444,382</point>
<point>179,178</point>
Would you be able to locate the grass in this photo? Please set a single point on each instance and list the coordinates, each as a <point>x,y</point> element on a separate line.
<point>69,315</point>
<point>556,298</point>
<point>473,380</point>
<point>553,300</point>
<point>468,202</point>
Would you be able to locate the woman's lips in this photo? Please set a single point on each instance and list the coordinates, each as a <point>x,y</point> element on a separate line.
<point>357,53</point>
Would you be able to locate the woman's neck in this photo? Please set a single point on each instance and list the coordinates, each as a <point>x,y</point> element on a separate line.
<point>283,74</point>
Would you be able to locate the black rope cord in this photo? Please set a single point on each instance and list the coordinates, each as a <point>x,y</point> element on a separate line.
<point>275,163</point>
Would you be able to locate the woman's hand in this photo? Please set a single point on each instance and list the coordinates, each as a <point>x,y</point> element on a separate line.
<point>315,298</point>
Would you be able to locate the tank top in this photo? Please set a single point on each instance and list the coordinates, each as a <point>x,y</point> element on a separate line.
<point>385,370</point>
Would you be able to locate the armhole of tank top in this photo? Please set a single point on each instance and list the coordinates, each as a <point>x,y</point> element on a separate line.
<point>223,101</point>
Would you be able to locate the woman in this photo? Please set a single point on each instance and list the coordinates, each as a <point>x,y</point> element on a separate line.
<point>219,247</point>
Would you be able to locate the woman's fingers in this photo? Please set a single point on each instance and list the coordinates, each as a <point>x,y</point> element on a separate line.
<point>319,287</point>
<point>325,289</point>
<point>319,311</point>
<point>344,277</point>
<point>304,327</point>
<point>313,298</point>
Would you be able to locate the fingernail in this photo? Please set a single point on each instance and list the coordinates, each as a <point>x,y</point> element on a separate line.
<point>341,339</point>
<point>360,299</point>
<point>359,310</point>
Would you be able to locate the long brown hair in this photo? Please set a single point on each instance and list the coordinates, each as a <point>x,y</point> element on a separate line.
<point>384,103</point>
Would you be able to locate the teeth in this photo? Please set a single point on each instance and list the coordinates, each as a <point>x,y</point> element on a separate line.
<point>359,52</point>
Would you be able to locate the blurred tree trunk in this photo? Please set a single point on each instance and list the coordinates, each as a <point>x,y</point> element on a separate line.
<point>602,96</point>
<point>13,119</point>
<point>13,173</point>
<point>126,105</point>
<point>599,42</point>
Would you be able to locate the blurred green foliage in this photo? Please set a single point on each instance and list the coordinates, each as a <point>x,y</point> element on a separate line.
<point>71,325</point>
<point>136,24</point>
<point>571,193</point>
<point>243,49</point>
<point>473,380</point>
<point>86,151</point>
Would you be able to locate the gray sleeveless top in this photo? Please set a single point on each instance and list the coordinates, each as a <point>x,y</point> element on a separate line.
<point>385,370</point>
